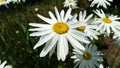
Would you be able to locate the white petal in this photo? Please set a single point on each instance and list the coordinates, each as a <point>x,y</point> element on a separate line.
<point>67,15</point>
<point>8,66</point>
<point>57,14</point>
<point>3,64</point>
<point>52,50</point>
<point>48,47</point>
<point>39,25</point>
<point>75,43</point>
<point>40,33</point>
<point>52,16</point>
<point>73,19</point>
<point>101,66</point>
<point>65,44</point>
<point>80,16</point>
<point>45,19</point>
<point>90,16</point>
<point>80,38</point>
<point>84,15</point>
<point>60,49</point>
<point>62,15</point>
<point>39,29</point>
<point>44,39</point>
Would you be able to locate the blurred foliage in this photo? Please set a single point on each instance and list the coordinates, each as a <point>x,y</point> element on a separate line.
<point>15,44</point>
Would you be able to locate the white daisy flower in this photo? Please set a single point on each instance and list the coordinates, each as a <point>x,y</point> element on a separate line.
<point>2,65</point>
<point>4,2</point>
<point>108,23</point>
<point>57,33</point>
<point>70,3</point>
<point>89,58</point>
<point>87,25</point>
<point>99,3</point>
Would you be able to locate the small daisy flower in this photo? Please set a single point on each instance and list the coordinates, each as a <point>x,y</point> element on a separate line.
<point>99,3</point>
<point>4,2</point>
<point>57,32</point>
<point>89,58</point>
<point>70,3</point>
<point>108,23</point>
<point>87,25</point>
<point>2,65</point>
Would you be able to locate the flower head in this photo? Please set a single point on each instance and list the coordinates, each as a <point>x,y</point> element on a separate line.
<point>57,32</point>
<point>108,23</point>
<point>70,3</point>
<point>89,58</point>
<point>99,3</point>
<point>87,25</point>
<point>2,65</point>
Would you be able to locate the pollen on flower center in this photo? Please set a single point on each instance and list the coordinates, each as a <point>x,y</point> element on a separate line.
<point>2,0</point>
<point>82,28</point>
<point>60,27</point>
<point>87,56</point>
<point>70,1</point>
<point>107,20</point>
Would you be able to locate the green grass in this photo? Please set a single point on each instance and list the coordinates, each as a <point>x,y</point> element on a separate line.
<point>16,46</point>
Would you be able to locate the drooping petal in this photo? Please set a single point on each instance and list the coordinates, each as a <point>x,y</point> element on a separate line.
<point>44,39</point>
<point>61,48</point>
<point>75,43</point>
<point>48,46</point>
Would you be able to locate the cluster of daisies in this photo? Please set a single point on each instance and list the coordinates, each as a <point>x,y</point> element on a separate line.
<point>5,2</point>
<point>63,29</point>
<point>97,3</point>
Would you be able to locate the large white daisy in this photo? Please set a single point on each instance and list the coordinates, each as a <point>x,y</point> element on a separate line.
<point>4,2</point>
<point>70,3</point>
<point>57,32</point>
<point>89,58</point>
<point>2,65</point>
<point>87,25</point>
<point>108,23</point>
<point>99,3</point>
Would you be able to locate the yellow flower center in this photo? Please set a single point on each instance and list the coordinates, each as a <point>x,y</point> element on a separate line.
<point>2,0</point>
<point>82,28</point>
<point>107,20</point>
<point>60,27</point>
<point>87,56</point>
<point>70,1</point>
